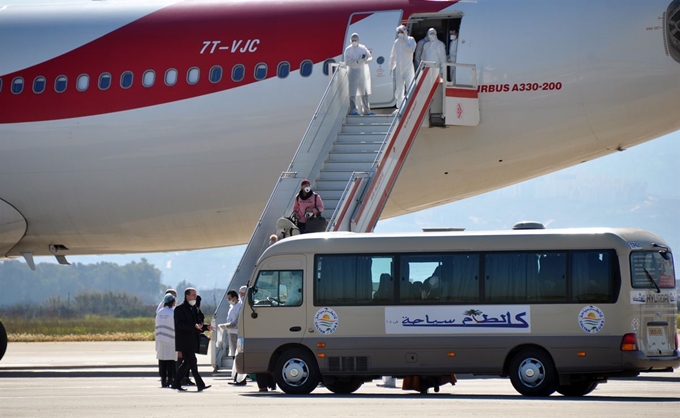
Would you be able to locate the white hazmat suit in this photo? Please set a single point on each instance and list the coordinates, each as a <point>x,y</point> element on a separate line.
<point>357,57</point>
<point>435,51</point>
<point>401,63</point>
<point>453,51</point>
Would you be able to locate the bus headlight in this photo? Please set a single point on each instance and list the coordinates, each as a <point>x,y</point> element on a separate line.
<point>239,345</point>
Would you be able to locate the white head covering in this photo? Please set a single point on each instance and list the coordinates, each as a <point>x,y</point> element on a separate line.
<point>432,31</point>
<point>403,29</point>
<point>354,37</point>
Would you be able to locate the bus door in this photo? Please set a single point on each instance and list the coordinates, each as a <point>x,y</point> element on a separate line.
<point>654,293</point>
<point>276,305</point>
<point>377,31</point>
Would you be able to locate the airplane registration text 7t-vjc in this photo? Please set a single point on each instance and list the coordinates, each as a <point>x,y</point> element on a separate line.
<point>158,125</point>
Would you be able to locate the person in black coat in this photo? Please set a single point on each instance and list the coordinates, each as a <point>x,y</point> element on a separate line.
<point>188,326</point>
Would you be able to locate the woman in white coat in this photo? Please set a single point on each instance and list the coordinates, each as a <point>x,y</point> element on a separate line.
<point>165,341</point>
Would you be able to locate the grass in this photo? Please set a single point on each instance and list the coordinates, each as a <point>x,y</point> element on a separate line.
<point>86,328</point>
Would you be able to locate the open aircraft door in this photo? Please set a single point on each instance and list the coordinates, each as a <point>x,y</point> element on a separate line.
<point>377,30</point>
<point>460,96</point>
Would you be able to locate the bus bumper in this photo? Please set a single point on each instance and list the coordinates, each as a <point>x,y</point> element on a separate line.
<point>637,360</point>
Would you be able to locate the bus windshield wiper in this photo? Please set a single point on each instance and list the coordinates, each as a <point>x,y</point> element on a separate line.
<point>651,279</point>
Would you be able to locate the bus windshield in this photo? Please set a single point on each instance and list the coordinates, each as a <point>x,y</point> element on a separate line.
<point>648,266</point>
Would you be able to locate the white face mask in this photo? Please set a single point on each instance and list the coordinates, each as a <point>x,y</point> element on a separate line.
<point>307,189</point>
<point>355,43</point>
<point>432,37</point>
<point>401,35</point>
<point>192,302</point>
<point>453,37</point>
<point>231,302</point>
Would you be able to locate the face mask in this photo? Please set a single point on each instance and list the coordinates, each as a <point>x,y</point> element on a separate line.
<point>307,189</point>
<point>453,37</point>
<point>432,37</point>
<point>355,43</point>
<point>192,302</point>
<point>231,302</point>
<point>401,35</point>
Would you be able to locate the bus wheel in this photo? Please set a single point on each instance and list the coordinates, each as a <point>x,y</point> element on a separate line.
<point>532,373</point>
<point>343,387</point>
<point>577,389</point>
<point>3,340</point>
<point>297,372</point>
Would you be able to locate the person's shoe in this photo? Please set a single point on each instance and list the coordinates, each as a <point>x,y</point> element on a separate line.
<point>179,388</point>
<point>241,383</point>
<point>354,113</point>
<point>370,114</point>
<point>264,390</point>
<point>188,382</point>
<point>204,388</point>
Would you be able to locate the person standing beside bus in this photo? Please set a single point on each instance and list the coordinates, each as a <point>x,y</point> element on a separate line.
<point>308,204</point>
<point>165,341</point>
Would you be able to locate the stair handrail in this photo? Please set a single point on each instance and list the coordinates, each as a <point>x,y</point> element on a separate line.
<point>355,175</point>
<point>339,76</point>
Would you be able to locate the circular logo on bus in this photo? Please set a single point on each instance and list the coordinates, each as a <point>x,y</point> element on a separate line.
<point>591,319</point>
<point>326,321</point>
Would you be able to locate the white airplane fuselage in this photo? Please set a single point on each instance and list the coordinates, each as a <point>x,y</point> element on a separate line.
<point>158,167</point>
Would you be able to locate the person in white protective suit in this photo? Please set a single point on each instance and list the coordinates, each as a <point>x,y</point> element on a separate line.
<point>435,51</point>
<point>357,57</point>
<point>453,51</point>
<point>401,63</point>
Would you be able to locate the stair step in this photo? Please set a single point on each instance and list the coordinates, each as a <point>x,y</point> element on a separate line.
<point>348,166</point>
<point>360,138</point>
<point>332,184</point>
<point>330,195</point>
<point>357,120</point>
<point>336,175</point>
<point>374,128</point>
<point>353,157</point>
<point>356,147</point>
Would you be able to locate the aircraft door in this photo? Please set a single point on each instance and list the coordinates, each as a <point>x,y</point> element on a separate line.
<point>377,30</point>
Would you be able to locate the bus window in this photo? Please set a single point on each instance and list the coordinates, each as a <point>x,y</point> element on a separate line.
<point>354,280</point>
<point>510,277</point>
<point>591,277</point>
<point>646,264</point>
<point>552,277</point>
<point>278,288</point>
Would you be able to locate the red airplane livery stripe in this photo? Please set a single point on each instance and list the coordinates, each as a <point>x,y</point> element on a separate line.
<point>264,32</point>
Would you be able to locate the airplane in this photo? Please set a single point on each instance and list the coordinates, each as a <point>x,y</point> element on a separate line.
<point>162,125</point>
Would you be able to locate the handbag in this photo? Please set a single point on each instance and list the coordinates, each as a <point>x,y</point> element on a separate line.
<point>316,224</point>
<point>203,342</point>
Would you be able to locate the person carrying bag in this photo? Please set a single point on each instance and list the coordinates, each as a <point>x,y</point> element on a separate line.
<point>308,208</point>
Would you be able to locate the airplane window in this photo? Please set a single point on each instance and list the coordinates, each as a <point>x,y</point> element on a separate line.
<point>215,74</point>
<point>126,79</point>
<point>60,84</point>
<point>17,85</point>
<point>306,68</point>
<point>260,71</point>
<point>170,77</point>
<point>148,78</point>
<point>83,82</point>
<point>327,65</point>
<point>193,75</point>
<point>238,72</point>
<point>104,81</point>
<point>283,70</point>
<point>39,85</point>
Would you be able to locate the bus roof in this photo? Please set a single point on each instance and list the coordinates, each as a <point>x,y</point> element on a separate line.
<point>503,240</point>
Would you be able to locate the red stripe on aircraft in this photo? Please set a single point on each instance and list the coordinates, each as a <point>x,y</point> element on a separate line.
<point>462,93</point>
<point>173,37</point>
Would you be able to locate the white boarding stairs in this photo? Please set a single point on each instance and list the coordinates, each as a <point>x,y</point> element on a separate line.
<point>352,162</point>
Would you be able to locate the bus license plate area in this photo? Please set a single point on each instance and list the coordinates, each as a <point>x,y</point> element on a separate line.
<point>656,338</point>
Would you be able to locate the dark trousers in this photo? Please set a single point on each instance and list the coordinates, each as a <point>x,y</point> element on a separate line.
<point>302,227</point>
<point>188,362</point>
<point>166,368</point>
<point>265,381</point>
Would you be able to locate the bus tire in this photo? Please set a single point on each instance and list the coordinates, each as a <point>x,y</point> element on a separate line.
<point>532,373</point>
<point>297,372</point>
<point>3,341</point>
<point>343,387</point>
<point>577,389</point>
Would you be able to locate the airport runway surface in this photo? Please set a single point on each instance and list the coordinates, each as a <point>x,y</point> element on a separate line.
<point>120,379</point>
